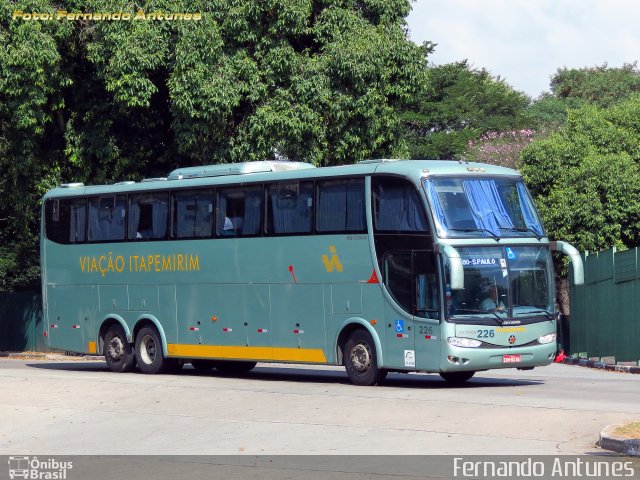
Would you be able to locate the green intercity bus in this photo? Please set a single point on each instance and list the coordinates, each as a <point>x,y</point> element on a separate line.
<point>384,266</point>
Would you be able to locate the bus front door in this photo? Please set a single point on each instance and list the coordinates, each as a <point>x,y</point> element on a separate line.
<point>413,330</point>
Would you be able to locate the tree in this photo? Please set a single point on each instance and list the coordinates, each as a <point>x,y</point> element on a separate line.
<point>586,178</point>
<point>101,101</point>
<point>500,148</point>
<point>572,88</point>
<point>601,85</point>
<point>458,104</point>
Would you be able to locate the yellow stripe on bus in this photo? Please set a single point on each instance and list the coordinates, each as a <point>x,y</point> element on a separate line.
<point>247,353</point>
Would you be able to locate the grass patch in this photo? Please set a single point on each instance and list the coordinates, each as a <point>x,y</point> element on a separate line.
<point>630,430</point>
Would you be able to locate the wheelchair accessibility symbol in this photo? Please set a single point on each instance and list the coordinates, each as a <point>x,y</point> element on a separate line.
<point>399,326</point>
<point>510,254</point>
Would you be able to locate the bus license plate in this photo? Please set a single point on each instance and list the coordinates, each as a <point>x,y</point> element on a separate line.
<point>510,358</point>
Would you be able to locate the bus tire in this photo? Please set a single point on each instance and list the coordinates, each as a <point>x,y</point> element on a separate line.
<point>234,367</point>
<point>149,354</point>
<point>203,365</point>
<point>118,353</point>
<point>456,377</point>
<point>361,361</point>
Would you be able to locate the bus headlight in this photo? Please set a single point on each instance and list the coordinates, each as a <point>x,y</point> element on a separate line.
<point>548,338</point>
<point>464,342</point>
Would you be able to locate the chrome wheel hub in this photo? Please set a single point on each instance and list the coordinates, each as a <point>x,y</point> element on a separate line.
<point>148,350</point>
<point>116,348</point>
<point>361,357</point>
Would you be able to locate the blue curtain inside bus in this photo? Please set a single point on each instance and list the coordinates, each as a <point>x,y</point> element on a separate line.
<point>291,207</point>
<point>400,210</point>
<point>496,205</point>
<point>341,206</point>
<point>486,206</point>
<point>527,209</point>
<point>106,218</point>
<point>252,212</point>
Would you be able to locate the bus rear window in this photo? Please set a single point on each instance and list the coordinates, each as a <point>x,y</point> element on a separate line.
<point>65,220</point>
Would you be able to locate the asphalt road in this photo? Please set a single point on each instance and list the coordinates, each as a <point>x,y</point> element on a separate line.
<point>64,408</point>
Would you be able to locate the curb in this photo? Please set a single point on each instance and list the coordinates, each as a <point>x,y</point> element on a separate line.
<point>626,446</point>
<point>602,366</point>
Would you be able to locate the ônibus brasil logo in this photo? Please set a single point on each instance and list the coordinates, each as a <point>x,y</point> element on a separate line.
<point>32,468</point>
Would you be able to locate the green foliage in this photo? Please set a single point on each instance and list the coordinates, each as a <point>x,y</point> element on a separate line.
<point>586,177</point>
<point>101,101</point>
<point>457,105</point>
<point>572,88</point>
<point>601,86</point>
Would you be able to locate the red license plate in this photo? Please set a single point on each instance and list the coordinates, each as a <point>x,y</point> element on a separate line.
<point>510,358</point>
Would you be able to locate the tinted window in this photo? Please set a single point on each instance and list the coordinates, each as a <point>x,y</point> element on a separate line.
<point>239,211</point>
<point>290,207</point>
<point>65,220</point>
<point>341,206</point>
<point>107,218</point>
<point>193,214</point>
<point>397,206</point>
<point>410,278</point>
<point>148,216</point>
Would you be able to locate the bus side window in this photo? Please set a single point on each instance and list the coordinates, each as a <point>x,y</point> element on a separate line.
<point>397,206</point>
<point>148,216</point>
<point>289,207</point>
<point>341,206</point>
<point>65,220</point>
<point>239,211</point>
<point>193,214</point>
<point>106,218</point>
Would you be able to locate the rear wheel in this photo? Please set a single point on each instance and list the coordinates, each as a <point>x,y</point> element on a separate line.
<point>231,366</point>
<point>457,377</point>
<point>361,361</point>
<point>117,351</point>
<point>149,352</point>
<point>203,365</point>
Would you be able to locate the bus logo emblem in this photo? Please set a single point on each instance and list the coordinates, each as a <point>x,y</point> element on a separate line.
<point>512,339</point>
<point>333,262</point>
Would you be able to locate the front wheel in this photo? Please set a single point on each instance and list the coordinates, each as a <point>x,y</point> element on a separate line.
<point>149,352</point>
<point>456,377</point>
<point>361,361</point>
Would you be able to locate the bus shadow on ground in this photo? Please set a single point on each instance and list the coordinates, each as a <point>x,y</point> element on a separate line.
<point>286,374</point>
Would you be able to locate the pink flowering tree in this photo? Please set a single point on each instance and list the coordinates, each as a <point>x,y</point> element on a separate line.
<point>500,148</point>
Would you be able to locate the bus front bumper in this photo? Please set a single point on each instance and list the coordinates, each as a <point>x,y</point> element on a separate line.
<point>459,359</point>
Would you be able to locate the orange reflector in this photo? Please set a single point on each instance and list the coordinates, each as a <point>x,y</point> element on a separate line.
<point>373,322</point>
<point>213,319</point>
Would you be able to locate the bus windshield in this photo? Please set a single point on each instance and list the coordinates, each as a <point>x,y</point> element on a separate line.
<point>501,283</point>
<point>486,207</point>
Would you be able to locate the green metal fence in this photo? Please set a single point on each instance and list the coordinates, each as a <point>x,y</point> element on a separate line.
<point>21,322</point>
<point>605,311</point>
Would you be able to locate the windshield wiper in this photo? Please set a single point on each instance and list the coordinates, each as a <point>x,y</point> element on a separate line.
<point>495,237</point>
<point>547,313</point>
<point>471,310</point>
<point>536,234</point>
